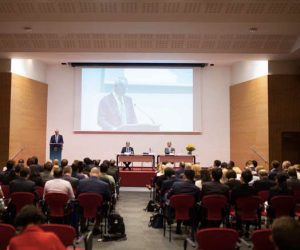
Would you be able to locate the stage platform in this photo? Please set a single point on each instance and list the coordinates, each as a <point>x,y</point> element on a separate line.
<point>136,177</point>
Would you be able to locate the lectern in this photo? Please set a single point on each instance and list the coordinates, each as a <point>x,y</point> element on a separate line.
<point>55,151</point>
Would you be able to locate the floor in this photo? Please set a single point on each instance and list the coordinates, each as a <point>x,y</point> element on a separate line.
<point>131,206</point>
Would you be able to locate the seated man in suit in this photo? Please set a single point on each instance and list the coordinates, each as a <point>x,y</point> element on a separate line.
<point>169,149</point>
<point>127,150</point>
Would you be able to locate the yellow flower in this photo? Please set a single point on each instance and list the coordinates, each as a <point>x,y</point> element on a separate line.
<point>190,147</point>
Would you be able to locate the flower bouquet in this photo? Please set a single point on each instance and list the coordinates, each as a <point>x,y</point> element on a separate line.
<point>190,148</point>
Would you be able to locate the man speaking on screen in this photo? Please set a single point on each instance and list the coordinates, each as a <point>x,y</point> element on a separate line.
<point>116,109</point>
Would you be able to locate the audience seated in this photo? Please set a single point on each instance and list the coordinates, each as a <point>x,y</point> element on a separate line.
<point>104,175</point>
<point>67,175</point>
<point>205,176</point>
<point>64,163</point>
<point>276,169</point>
<point>58,185</point>
<point>21,184</point>
<point>286,165</point>
<point>46,174</point>
<point>264,183</point>
<point>32,236</point>
<point>167,183</point>
<point>232,182</point>
<point>281,187</point>
<point>35,175</point>
<point>180,171</point>
<point>35,161</point>
<point>8,173</point>
<point>285,233</point>
<point>293,182</point>
<point>215,186</point>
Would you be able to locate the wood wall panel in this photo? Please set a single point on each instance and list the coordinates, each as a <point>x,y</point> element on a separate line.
<point>5,94</point>
<point>284,110</point>
<point>28,118</point>
<point>249,121</point>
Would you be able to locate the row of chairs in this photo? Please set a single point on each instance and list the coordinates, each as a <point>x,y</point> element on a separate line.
<point>215,210</point>
<point>65,233</point>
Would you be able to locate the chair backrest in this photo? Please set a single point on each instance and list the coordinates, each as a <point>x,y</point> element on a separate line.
<point>56,203</point>
<point>261,240</point>
<point>283,205</point>
<point>5,190</point>
<point>6,233</point>
<point>20,199</point>
<point>248,207</point>
<point>297,196</point>
<point>40,192</point>
<point>217,238</point>
<point>90,202</point>
<point>264,195</point>
<point>182,203</point>
<point>215,205</point>
<point>65,233</point>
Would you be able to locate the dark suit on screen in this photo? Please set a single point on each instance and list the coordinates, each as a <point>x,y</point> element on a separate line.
<point>109,116</point>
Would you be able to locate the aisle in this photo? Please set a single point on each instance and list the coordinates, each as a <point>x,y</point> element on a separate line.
<point>139,236</point>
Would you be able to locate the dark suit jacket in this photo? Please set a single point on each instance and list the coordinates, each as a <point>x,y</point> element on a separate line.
<point>169,151</point>
<point>59,143</point>
<point>94,185</point>
<point>293,183</point>
<point>244,190</point>
<point>166,185</point>
<point>130,149</point>
<point>214,187</point>
<point>109,116</point>
<point>21,185</point>
<point>185,187</point>
<point>275,191</point>
<point>74,181</point>
<point>263,184</point>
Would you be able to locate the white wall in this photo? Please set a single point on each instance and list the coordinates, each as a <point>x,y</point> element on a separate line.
<point>211,144</point>
<point>248,70</point>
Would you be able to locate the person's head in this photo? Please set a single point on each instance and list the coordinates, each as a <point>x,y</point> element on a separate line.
<point>18,168</point>
<point>57,173</point>
<point>286,165</point>
<point>259,167</point>
<point>182,164</point>
<point>197,169</point>
<point>189,174</point>
<point>127,144</point>
<point>55,162</point>
<point>205,175</point>
<point>230,174</point>
<point>24,172</point>
<point>48,166</point>
<point>169,172</point>
<point>29,161</point>
<point>95,172</point>
<point>275,165</point>
<point>10,164</point>
<point>263,174</point>
<point>96,162</point>
<point>87,161</point>
<point>285,233</point>
<point>169,144</point>
<point>29,214</point>
<point>34,160</point>
<point>103,167</point>
<point>67,170</point>
<point>217,163</point>
<point>281,179</point>
<point>216,173</point>
<point>75,166</point>
<point>292,172</point>
<point>230,164</point>
<point>56,131</point>
<point>254,162</point>
<point>112,162</point>
<point>224,164</point>
<point>34,171</point>
<point>246,176</point>
<point>63,163</point>
<point>120,86</point>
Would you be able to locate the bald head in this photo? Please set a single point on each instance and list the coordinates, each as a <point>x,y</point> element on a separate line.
<point>95,172</point>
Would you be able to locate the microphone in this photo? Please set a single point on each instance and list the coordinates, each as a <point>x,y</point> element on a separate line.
<point>144,113</point>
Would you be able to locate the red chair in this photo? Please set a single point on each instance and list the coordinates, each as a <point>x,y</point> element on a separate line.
<point>262,240</point>
<point>264,195</point>
<point>297,202</point>
<point>20,199</point>
<point>248,211</point>
<point>182,204</point>
<point>40,192</point>
<point>5,190</point>
<point>65,233</point>
<point>217,238</point>
<point>215,206</point>
<point>90,203</point>
<point>56,204</point>
<point>6,233</point>
<point>282,205</point>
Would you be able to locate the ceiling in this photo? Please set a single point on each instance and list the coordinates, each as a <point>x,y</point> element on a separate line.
<point>209,31</point>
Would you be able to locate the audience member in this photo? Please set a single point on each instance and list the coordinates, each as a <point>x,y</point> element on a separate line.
<point>167,183</point>
<point>21,184</point>
<point>35,161</point>
<point>179,172</point>
<point>8,173</point>
<point>58,185</point>
<point>104,175</point>
<point>276,168</point>
<point>232,182</point>
<point>230,164</point>
<point>205,176</point>
<point>215,186</point>
<point>281,187</point>
<point>293,182</point>
<point>264,183</point>
<point>238,172</point>
<point>286,165</point>
<point>35,175</point>
<point>64,163</point>
<point>32,236</point>
<point>285,233</point>
<point>46,174</point>
<point>67,175</point>
<point>186,186</point>
<point>217,163</point>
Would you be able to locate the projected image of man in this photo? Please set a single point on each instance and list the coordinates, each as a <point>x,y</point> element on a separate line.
<point>116,109</point>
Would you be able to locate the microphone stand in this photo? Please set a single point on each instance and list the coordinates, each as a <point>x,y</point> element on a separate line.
<point>144,113</point>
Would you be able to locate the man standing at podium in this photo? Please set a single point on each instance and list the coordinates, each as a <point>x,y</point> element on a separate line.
<point>116,109</point>
<point>56,145</point>
<point>127,150</point>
